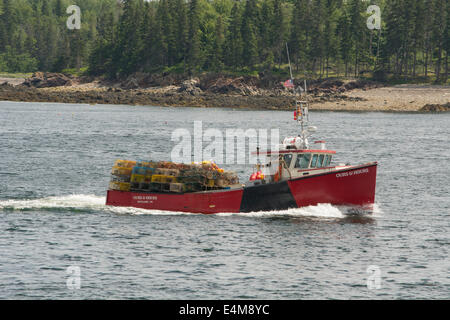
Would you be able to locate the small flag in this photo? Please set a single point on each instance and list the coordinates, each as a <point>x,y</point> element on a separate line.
<point>288,83</point>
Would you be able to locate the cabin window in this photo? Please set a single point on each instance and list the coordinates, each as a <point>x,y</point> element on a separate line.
<point>314,161</point>
<point>326,161</point>
<point>329,160</point>
<point>288,159</point>
<point>303,160</point>
<point>320,163</point>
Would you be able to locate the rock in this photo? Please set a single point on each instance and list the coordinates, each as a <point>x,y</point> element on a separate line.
<point>135,80</point>
<point>46,80</point>
<point>331,84</point>
<point>191,86</point>
<point>360,84</point>
<point>436,108</point>
<point>241,86</point>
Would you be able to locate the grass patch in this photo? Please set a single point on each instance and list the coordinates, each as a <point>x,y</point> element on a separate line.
<point>76,72</point>
<point>14,75</point>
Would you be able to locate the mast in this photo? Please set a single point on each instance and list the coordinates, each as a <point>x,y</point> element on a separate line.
<point>301,106</point>
<point>289,60</point>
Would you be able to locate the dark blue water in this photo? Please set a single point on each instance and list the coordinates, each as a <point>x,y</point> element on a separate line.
<point>55,161</point>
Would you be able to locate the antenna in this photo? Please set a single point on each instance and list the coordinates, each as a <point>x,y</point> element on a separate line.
<point>301,114</point>
<point>289,60</point>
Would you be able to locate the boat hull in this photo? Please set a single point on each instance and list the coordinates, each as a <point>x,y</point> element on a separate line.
<point>353,186</point>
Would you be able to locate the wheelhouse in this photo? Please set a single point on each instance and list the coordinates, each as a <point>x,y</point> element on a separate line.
<point>291,163</point>
<point>307,159</point>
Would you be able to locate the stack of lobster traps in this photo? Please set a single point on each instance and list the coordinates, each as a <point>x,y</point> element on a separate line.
<point>121,175</point>
<point>164,176</point>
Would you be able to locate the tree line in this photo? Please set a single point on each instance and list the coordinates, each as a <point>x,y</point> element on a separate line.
<point>326,38</point>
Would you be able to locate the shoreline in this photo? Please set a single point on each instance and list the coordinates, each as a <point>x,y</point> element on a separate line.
<point>374,98</point>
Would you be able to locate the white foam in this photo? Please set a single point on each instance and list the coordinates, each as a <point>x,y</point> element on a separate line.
<point>376,211</point>
<point>93,202</point>
<point>77,201</point>
<point>71,201</point>
<point>138,211</point>
<point>321,211</point>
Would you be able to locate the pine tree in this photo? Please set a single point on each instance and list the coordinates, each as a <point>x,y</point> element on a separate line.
<point>248,30</point>
<point>418,30</point>
<point>428,28</point>
<point>447,41</point>
<point>343,31</point>
<point>316,46</point>
<point>329,30</point>
<point>181,31</point>
<point>59,8</point>
<point>6,24</point>
<point>299,38</point>
<point>156,42</point>
<point>129,38</point>
<point>194,50</point>
<point>234,43</point>
<point>394,22</point>
<point>439,28</point>
<point>264,31</point>
<point>277,31</point>
<point>217,50</point>
<point>357,30</point>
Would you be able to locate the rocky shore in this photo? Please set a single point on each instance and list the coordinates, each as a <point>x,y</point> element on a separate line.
<point>263,92</point>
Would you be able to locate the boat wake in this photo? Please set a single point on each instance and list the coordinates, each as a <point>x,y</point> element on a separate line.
<point>322,211</point>
<point>78,202</point>
<point>93,203</point>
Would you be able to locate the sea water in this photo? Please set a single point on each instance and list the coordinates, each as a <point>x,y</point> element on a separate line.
<point>55,163</point>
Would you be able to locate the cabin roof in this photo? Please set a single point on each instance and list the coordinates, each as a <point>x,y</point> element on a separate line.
<point>295,151</point>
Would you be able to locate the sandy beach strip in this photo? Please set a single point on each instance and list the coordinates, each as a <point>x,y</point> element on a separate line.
<point>400,98</point>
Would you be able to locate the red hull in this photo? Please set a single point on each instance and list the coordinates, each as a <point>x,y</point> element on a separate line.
<point>204,202</point>
<point>350,186</point>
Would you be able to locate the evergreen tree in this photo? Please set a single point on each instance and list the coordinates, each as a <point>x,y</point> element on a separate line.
<point>248,30</point>
<point>234,43</point>
<point>299,39</point>
<point>59,8</point>
<point>118,38</point>
<point>446,44</point>
<point>278,31</point>
<point>343,31</point>
<point>357,31</point>
<point>329,42</point>
<point>418,29</point>
<point>217,50</point>
<point>439,29</point>
<point>129,38</point>
<point>6,24</point>
<point>181,31</point>
<point>194,50</point>
<point>316,46</point>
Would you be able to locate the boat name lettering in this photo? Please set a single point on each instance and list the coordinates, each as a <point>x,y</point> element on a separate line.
<point>351,173</point>
<point>145,198</point>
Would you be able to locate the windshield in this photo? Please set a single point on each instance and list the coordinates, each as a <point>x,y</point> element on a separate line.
<point>320,162</point>
<point>288,159</point>
<point>314,161</point>
<point>303,160</point>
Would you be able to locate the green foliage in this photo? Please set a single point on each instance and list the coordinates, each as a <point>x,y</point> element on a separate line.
<point>11,61</point>
<point>325,37</point>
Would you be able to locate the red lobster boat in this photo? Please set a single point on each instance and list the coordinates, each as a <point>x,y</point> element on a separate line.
<point>293,176</point>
